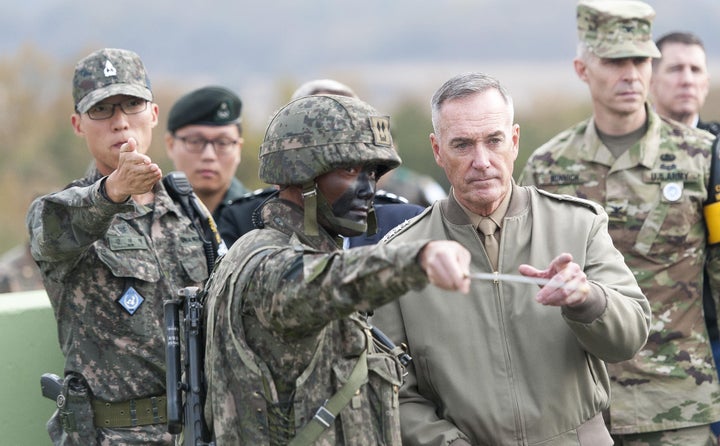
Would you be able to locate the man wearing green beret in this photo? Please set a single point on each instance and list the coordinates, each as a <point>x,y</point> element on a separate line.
<point>651,175</point>
<point>204,140</point>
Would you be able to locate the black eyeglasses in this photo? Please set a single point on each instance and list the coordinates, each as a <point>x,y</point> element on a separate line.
<point>105,110</point>
<point>197,144</point>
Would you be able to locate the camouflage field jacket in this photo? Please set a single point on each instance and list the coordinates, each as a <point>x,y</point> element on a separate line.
<point>91,252</point>
<point>653,194</point>
<point>284,333</point>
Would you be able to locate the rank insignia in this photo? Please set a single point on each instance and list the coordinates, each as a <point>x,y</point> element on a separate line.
<point>130,300</point>
<point>380,126</point>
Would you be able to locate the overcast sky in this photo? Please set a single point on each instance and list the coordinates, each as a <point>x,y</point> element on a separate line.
<point>384,47</point>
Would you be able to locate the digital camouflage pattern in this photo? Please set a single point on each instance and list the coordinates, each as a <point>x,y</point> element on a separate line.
<point>313,135</point>
<point>616,28</point>
<point>654,196</point>
<point>109,72</point>
<point>90,251</point>
<point>284,334</point>
<point>700,436</point>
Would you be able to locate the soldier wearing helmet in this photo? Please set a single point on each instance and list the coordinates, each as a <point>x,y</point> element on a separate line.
<point>289,351</point>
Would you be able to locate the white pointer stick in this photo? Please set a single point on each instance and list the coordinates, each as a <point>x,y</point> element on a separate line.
<point>496,277</point>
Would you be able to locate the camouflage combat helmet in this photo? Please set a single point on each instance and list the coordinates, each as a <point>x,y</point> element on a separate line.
<point>314,135</point>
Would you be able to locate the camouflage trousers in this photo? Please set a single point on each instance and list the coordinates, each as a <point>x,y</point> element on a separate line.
<point>691,436</point>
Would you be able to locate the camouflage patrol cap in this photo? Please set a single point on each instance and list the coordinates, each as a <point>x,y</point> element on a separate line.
<point>615,29</point>
<point>313,135</point>
<point>205,106</point>
<point>109,72</point>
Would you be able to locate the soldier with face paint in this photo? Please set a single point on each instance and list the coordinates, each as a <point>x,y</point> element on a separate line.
<point>289,354</point>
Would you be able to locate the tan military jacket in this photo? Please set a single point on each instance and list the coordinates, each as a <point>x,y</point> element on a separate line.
<point>495,366</point>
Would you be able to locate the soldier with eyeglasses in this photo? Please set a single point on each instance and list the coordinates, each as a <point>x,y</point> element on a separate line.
<point>204,140</point>
<point>111,247</point>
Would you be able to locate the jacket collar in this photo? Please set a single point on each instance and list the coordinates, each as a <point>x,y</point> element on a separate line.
<point>455,214</point>
<point>287,217</point>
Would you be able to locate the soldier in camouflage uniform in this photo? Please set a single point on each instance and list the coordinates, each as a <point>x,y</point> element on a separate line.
<point>111,246</point>
<point>402,181</point>
<point>678,89</point>
<point>288,353</point>
<point>651,174</point>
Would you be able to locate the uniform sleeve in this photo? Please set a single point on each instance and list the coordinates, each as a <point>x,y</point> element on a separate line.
<point>64,224</point>
<point>295,292</point>
<point>419,422</point>
<point>621,330</point>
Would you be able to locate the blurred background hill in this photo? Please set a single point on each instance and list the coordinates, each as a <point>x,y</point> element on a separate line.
<point>393,53</point>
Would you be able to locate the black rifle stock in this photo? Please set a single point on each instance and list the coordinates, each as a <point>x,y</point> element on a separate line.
<point>399,352</point>
<point>187,417</point>
<point>51,386</point>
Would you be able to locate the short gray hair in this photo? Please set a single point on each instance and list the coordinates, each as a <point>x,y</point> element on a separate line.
<point>463,85</point>
<point>583,52</point>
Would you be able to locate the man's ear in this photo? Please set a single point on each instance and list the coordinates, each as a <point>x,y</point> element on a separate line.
<point>75,123</point>
<point>436,149</point>
<point>580,69</point>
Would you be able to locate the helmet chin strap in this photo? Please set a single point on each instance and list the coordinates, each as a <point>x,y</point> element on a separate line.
<point>316,204</point>
<point>310,196</point>
<point>326,211</point>
<point>371,221</point>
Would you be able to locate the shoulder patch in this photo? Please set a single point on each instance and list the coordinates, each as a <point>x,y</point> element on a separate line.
<point>404,225</point>
<point>692,138</point>
<point>571,199</point>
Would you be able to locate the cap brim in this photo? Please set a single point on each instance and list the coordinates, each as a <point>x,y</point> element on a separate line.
<point>637,49</point>
<point>99,94</point>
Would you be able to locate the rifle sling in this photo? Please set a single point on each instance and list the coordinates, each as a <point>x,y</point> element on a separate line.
<point>326,414</point>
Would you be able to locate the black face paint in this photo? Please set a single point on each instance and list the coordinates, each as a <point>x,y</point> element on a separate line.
<point>349,211</point>
<point>355,202</point>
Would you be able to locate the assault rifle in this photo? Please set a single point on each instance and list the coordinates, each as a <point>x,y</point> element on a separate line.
<point>186,414</point>
<point>189,414</point>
